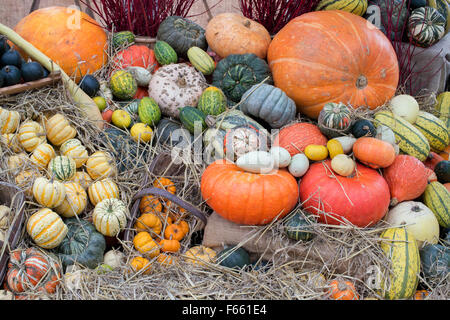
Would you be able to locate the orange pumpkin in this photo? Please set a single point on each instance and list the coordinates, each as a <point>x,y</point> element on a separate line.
<point>150,204</point>
<point>373,152</point>
<point>148,221</point>
<point>144,243</point>
<point>168,245</point>
<point>296,137</point>
<point>444,154</point>
<point>165,183</point>
<point>69,37</point>
<point>333,56</point>
<point>140,263</point>
<point>248,198</point>
<point>135,56</point>
<point>447,186</point>
<point>343,290</point>
<point>174,232</point>
<point>432,160</point>
<point>166,259</point>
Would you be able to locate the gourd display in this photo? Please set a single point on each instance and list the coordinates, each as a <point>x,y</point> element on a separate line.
<point>361,199</point>
<point>269,103</point>
<point>141,264</point>
<point>239,72</point>
<point>75,201</point>
<point>373,152</point>
<point>46,228</point>
<point>394,12</point>
<point>11,75</point>
<point>171,132</point>
<point>221,34</point>
<point>225,188</point>
<point>83,179</point>
<point>343,165</point>
<point>78,46</point>
<point>90,85</point>
<point>256,162</point>
<point>281,157</point>
<point>299,165</point>
<point>334,148</point>
<point>62,168</point>
<point>342,71</point>
<point>148,221</point>
<point>101,190</point>
<point>100,165</point>
<point>357,7</point>
<point>141,132</point>
<point>426,26</point>
<point>49,193</point>
<point>233,257</point>
<point>30,135</point>
<point>74,149</point>
<point>59,130</point>
<point>212,101</point>
<point>444,9</point>
<point>9,120</point>
<point>437,198</point>
<point>11,141</point>
<point>110,216</point>
<point>316,152</point>
<point>42,155</point>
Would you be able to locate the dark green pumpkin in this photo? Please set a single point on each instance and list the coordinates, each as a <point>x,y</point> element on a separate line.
<point>442,171</point>
<point>32,71</point>
<point>170,132</point>
<point>234,257</point>
<point>11,75</point>
<point>181,34</point>
<point>4,46</point>
<point>83,244</point>
<point>363,128</point>
<point>191,117</point>
<point>270,104</point>
<point>261,266</point>
<point>237,73</point>
<point>90,85</point>
<point>164,53</point>
<point>435,261</point>
<point>298,228</point>
<point>11,58</point>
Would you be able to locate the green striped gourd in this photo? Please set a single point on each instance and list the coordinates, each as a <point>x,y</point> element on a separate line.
<point>122,38</point>
<point>426,26</point>
<point>437,198</point>
<point>442,107</point>
<point>334,119</point>
<point>357,7</point>
<point>409,139</point>
<point>443,6</point>
<point>401,279</point>
<point>149,112</point>
<point>190,116</point>
<point>433,129</point>
<point>298,228</point>
<point>164,53</point>
<point>212,101</point>
<point>62,168</point>
<point>201,60</point>
<point>122,84</point>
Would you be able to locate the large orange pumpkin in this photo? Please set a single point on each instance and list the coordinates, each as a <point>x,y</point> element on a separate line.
<point>248,198</point>
<point>68,36</point>
<point>333,56</point>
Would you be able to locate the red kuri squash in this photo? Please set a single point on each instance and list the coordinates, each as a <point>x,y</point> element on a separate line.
<point>248,198</point>
<point>136,56</point>
<point>374,152</point>
<point>361,198</point>
<point>333,56</point>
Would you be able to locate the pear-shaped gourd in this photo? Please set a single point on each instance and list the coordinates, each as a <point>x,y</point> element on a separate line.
<point>256,162</point>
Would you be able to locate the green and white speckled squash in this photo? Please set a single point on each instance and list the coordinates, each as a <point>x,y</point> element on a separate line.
<point>62,168</point>
<point>110,217</point>
<point>426,26</point>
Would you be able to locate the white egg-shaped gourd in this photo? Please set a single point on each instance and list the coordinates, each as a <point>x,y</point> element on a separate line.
<point>299,165</point>
<point>256,162</point>
<point>141,75</point>
<point>114,258</point>
<point>405,106</point>
<point>282,157</point>
<point>386,134</point>
<point>347,143</point>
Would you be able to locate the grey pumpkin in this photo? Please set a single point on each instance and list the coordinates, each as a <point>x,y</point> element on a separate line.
<point>270,104</point>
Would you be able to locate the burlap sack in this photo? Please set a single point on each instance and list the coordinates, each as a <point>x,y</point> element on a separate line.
<point>268,243</point>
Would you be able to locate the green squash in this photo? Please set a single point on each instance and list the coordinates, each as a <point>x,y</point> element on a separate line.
<point>435,262</point>
<point>190,117</point>
<point>122,38</point>
<point>335,119</point>
<point>270,104</point>
<point>83,244</point>
<point>149,112</point>
<point>239,72</point>
<point>442,171</point>
<point>122,84</point>
<point>212,101</point>
<point>298,228</point>
<point>426,26</point>
<point>201,60</point>
<point>164,53</point>
<point>357,7</point>
<point>363,128</point>
<point>443,6</point>
<point>234,257</point>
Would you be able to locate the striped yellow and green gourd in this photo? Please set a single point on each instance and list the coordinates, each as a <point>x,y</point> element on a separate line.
<point>46,228</point>
<point>122,84</point>
<point>149,111</point>
<point>59,129</point>
<point>74,148</point>
<point>191,117</point>
<point>212,101</point>
<point>409,139</point>
<point>48,193</point>
<point>437,198</point>
<point>101,190</point>
<point>443,6</point>
<point>122,38</point>
<point>42,155</point>
<point>442,107</point>
<point>62,168</point>
<point>75,201</point>
<point>401,279</point>
<point>9,121</point>
<point>164,53</point>
<point>201,60</point>
<point>100,165</point>
<point>426,26</point>
<point>110,216</point>
<point>30,135</point>
<point>335,115</point>
<point>433,129</point>
<point>357,7</point>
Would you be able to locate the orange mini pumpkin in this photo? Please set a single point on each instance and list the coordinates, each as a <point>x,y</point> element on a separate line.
<point>165,183</point>
<point>148,221</point>
<point>166,259</point>
<point>174,232</point>
<point>343,290</point>
<point>168,245</point>
<point>150,204</point>
<point>374,152</point>
<point>144,243</point>
<point>140,263</point>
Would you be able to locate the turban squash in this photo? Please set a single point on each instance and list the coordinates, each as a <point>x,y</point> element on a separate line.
<point>333,56</point>
<point>248,198</point>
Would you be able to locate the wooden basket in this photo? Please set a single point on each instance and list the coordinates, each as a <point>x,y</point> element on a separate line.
<point>13,197</point>
<point>53,78</point>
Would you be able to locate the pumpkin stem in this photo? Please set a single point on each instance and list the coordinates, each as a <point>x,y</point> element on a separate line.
<point>210,121</point>
<point>247,23</point>
<point>416,208</point>
<point>361,82</point>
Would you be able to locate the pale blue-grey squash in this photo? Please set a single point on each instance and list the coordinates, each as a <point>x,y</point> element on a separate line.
<point>270,104</point>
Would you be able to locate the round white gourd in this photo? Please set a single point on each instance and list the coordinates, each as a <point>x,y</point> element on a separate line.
<point>386,134</point>
<point>281,156</point>
<point>347,143</point>
<point>4,216</point>
<point>114,258</point>
<point>141,75</point>
<point>299,165</point>
<point>405,106</point>
<point>420,221</point>
<point>343,165</point>
<point>256,162</point>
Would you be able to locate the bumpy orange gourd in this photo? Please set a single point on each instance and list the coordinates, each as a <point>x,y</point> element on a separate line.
<point>144,243</point>
<point>333,56</point>
<point>75,41</point>
<point>150,204</point>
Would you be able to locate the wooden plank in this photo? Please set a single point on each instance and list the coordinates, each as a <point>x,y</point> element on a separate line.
<point>52,78</point>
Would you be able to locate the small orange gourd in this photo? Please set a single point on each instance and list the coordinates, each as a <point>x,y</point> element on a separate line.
<point>148,221</point>
<point>140,263</point>
<point>374,152</point>
<point>343,290</point>
<point>144,243</point>
<point>174,232</point>
<point>170,245</point>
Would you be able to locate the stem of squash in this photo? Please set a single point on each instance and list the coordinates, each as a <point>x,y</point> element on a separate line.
<point>83,101</point>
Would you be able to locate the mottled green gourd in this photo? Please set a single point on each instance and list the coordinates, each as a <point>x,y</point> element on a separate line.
<point>122,84</point>
<point>212,101</point>
<point>149,112</point>
<point>122,38</point>
<point>298,228</point>
<point>191,117</point>
<point>164,53</point>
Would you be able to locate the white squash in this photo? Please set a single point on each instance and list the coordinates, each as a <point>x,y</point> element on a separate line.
<point>420,221</point>
<point>299,165</point>
<point>256,162</point>
<point>405,106</point>
<point>281,156</point>
<point>141,75</point>
<point>114,258</point>
<point>343,165</point>
<point>73,277</point>
<point>386,134</point>
<point>4,216</point>
<point>347,143</point>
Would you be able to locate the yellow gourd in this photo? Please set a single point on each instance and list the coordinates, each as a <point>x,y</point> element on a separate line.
<point>334,148</point>
<point>316,152</point>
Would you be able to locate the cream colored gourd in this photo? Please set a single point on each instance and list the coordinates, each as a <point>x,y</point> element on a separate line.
<point>30,135</point>
<point>256,162</point>
<point>282,157</point>
<point>101,190</point>
<point>59,130</point>
<point>347,143</point>
<point>42,155</point>
<point>141,75</point>
<point>420,221</point>
<point>75,201</point>
<point>74,148</point>
<point>25,180</point>
<point>343,165</point>
<point>299,165</point>
<point>9,121</point>
<point>83,179</point>
<point>11,141</point>
<point>110,217</point>
<point>48,193</point>
<point>386,134</point>
<point>114,258</point>
<point>5,212</point>
<point>18,161</point>
<point>100,165</point>
<point>46,228</point>
<point>405,106</point>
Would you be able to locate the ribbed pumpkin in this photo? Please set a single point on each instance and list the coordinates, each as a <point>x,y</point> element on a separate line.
<point>144,243</point>
<point>333,56</point>
<point>30,135</point>
<point>135,56</point>
<point>74,148</point>
<point>10,140</point>
<point>71,38</point>
<point>100,165</point>
<point>426,26</point>
<point>62,168</point>
<point>46,228</point>
<point>49,193</point>
<point>362,198</point>
<point>148,221</point>
<point>75,201</point>
<point>59,130</point>
<point>83,179</point>
<point>407,178</point>
<point>335,119</point>
<point>9,120</point>
<point>42,155</point>
<point>296,137</point>
<point>373,152</point>
<point>226,189</point>
<point>110,216</point>
<point>101,190</point>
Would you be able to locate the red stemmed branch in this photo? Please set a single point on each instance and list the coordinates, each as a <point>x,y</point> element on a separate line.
<point>142,17</point>
<point>275,14</point>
